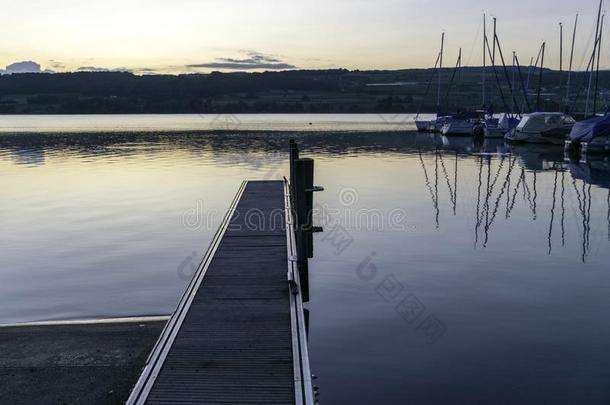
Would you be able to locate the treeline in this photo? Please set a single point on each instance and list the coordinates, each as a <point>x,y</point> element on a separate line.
<point>316,91</point>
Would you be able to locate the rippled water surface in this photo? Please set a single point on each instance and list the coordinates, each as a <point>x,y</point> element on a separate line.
<point>466,272</point>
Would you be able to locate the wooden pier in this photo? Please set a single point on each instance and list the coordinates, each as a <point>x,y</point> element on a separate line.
<point>238,334</point>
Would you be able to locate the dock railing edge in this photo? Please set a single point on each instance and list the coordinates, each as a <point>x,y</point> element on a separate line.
<point>157,357</point>
<point>304,393</point>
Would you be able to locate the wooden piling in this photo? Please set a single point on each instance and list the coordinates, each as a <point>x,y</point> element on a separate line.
<point>304,212</point>
<point>294,156</point>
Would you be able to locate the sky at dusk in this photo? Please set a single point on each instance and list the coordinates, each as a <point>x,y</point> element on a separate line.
<point>184,36</point>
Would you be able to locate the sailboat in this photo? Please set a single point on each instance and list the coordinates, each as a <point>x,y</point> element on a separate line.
<point>593,134</point>
<point>462,123</point>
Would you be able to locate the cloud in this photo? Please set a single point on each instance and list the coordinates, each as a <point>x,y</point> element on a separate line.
<point>92,69</point>
<point>243,66</point>
<point>254,57</point>
<point>254,60</point>
<point>145,71</point>
<point>56,64</point>
<point>24,67</point>
<point>102,69</point>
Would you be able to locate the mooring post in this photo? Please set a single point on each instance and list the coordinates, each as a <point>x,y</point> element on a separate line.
<point>303,198</point>
<point>306,170</point>
<point>302,189</point>
<point>294,156</point>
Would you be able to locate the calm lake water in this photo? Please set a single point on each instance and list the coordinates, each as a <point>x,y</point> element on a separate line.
<point>466,272</point>
<point>206,122</point>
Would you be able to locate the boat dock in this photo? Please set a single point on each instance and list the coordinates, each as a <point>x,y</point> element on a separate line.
<point>238,334</point>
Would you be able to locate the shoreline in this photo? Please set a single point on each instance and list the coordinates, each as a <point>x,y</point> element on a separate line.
<point>74,363</point>
<point>92,321</point>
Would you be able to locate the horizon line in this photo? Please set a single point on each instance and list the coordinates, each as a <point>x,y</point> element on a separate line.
<point>135,72</point>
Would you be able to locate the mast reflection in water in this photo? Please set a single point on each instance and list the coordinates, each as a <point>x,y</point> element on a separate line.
<point>509,177</point>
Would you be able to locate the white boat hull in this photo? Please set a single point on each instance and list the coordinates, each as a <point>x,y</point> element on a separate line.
<point>554,138</point>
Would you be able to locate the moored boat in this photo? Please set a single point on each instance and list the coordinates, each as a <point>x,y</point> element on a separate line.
<point>592,135</point>
<point>542,127</point>
<point>461,124</point>
<point>434,125</point>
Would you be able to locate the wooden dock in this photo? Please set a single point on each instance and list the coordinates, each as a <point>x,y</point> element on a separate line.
<point>238,334</point>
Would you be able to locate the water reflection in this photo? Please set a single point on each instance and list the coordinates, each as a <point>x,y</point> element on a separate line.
<point>509,176</point>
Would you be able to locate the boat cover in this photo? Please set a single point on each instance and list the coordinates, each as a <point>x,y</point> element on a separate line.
<point>539,122</point>
<point>587,130</point>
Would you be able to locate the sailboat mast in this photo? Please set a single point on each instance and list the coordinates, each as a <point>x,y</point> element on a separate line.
<point>484,56</point>
<point>506,75</point>
<point>512,85</point>
<point>458,66</point>
<point>560,47</point>
<point>601,33</point>
<point>599,14</point>
<point>540,76</point>
<point>571,60</point>
<point>527,103</point>
<point>529,73</point>
<point>493,54</point>
<point>440,70</point>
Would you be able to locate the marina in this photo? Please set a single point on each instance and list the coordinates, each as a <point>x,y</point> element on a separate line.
<point>523,119</point>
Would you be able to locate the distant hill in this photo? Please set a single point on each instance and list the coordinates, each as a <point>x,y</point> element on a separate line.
<point>298,91</point>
